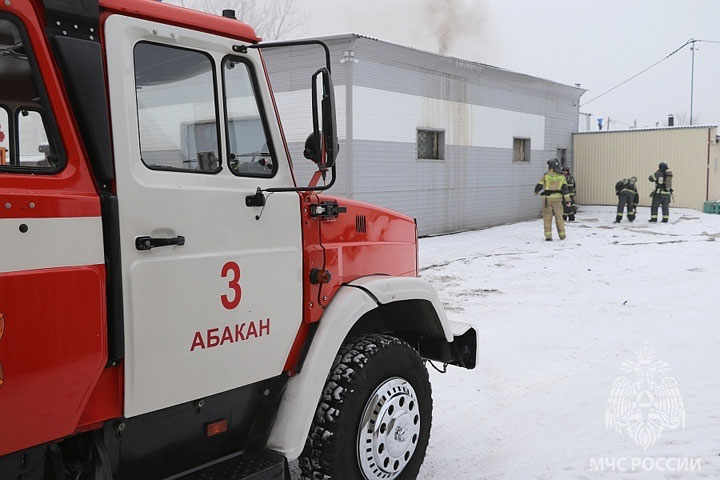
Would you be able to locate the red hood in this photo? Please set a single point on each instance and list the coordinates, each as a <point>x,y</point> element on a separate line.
<point>362,240</point>
<point>367,239</point>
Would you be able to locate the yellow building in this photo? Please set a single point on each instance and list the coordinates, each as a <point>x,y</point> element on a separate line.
<point>692,154</point>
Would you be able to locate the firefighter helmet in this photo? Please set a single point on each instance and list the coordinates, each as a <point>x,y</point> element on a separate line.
<point>553,164</point>
<point>566,169</point>
<point>632,180</point>
<point>662,166</point>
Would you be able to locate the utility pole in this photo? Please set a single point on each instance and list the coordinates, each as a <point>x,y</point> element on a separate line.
<point>692,78</point>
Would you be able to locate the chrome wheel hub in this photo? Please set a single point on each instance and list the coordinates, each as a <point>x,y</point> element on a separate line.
<point>389,430</point>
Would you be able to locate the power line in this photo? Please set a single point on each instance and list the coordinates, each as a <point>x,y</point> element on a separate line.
<point>692,40</point>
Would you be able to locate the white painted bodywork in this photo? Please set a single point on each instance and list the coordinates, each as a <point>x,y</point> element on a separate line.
<point>170,293</point>
<point>392,289</point>
<point>51,243</point>
<point>349,304</point>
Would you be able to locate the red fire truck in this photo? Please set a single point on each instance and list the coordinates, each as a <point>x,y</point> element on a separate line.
<point>172,303</point>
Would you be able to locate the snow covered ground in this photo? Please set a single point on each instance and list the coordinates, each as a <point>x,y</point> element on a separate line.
<point>556,322</point>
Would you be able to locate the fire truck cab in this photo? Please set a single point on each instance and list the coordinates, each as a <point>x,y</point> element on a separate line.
<point>172,304</point>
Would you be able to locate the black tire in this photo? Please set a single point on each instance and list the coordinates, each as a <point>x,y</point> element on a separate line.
<point>364,366</point>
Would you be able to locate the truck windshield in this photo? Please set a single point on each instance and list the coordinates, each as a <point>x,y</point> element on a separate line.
<point>24,144</point>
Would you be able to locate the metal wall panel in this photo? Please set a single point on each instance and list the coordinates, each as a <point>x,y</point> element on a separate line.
<point>477,187</point>
<point>290,70</point>
<point>396,90</point>
<point>714,170</point>
<point>464,124</point>
<point>603,158</point>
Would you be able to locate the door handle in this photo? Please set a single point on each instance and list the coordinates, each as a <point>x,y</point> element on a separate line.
<point>146,243</point>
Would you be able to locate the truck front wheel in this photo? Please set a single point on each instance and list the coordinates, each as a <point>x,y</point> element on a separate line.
<point>373,419</point>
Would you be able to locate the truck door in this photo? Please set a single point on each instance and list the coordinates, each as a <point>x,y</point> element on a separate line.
<point>212,288</point>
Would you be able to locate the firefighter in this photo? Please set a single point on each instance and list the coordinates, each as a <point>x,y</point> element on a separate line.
<point>627,194</point>
<point>555,192</point>
<point>662,193</point>
<point>569,211</point>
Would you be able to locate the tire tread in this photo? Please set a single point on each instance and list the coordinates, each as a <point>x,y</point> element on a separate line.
<point>353,356</point>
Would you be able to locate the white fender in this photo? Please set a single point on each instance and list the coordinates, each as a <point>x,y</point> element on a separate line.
<point>349,304</point>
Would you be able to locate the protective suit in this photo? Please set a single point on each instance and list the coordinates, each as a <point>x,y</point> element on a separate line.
<point>570,211</point>
<point>662,194</point>
<point>628,198</point>
<point>554,190</point>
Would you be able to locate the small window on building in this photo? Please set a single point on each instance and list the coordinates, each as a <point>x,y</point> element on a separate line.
<point>430,144</point>
<point>521,149</point>
<point>177,109</point>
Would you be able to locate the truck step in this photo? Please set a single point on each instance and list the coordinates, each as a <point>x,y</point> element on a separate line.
<point>255,465</point>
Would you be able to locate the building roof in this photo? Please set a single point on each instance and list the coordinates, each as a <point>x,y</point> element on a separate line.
<point>646,129</point>
<point>464,64</point>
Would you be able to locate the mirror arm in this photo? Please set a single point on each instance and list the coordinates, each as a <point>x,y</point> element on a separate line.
<point>309,188</point>
<point>292,43</point>
<point>316,177</point>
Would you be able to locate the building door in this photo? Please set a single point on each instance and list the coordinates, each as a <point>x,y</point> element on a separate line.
<point>562,156</point>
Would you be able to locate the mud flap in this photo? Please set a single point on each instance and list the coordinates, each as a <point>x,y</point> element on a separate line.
<point>461,352</point>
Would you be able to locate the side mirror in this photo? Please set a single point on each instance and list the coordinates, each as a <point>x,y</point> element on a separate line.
<point>321,145</point>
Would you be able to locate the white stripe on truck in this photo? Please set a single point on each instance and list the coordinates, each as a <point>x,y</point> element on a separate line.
<point>33,243</point>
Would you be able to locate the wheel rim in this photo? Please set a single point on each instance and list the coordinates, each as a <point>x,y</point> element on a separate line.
<point>389,430</point>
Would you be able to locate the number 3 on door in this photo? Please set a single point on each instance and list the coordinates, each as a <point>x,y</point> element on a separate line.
<point>233,300</point>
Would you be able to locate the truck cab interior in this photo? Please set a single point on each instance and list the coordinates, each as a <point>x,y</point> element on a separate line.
<point>24,140</point>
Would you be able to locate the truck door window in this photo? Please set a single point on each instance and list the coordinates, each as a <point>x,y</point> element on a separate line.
<point>177,109</point>
<point>25,145</point>
<point>248,146</point>
<point>33,146</point>
<point>4,136</point>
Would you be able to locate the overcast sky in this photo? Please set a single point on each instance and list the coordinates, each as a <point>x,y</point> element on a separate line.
<point>595,43</point>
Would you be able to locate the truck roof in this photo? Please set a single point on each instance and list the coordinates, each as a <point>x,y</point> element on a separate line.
<point>182,17</point>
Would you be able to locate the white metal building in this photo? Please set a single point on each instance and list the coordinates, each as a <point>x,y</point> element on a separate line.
<point>456,144</point>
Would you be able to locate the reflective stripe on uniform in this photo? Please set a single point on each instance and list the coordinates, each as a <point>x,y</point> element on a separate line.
<point>553,181</point>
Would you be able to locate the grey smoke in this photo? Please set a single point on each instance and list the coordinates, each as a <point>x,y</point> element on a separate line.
<point>451,20</point>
